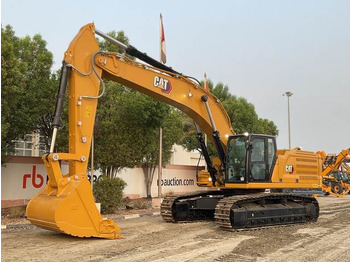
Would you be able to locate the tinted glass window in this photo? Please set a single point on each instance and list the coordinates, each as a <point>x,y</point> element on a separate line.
<point>236,159</point>
<point>257,160</point>
<point>271,153</point>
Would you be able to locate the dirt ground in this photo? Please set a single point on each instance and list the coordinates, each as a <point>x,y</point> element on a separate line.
<point>151,239</point>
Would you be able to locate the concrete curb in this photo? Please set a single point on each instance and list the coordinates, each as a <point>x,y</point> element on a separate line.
<point>115,218</point>
<point>147,214</point>
<point>17,226</point>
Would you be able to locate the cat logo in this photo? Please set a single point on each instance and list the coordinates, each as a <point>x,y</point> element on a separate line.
<point>162,83</point>
<point>289,169</point>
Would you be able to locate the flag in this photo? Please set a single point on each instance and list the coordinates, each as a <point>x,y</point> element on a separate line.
<point>162,42</point>
<point>206,83</point>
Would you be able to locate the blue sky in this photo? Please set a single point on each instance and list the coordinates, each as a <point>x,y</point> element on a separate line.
<point>260,49</point>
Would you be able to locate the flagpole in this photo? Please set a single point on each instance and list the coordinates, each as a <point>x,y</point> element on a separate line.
<point>162,60</point>
<point>162,56</point>
<point>160,37</point>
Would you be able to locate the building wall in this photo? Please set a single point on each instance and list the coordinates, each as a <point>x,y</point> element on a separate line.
<point>175,179</point>
<point>23,177</point>
<point>181,156</point>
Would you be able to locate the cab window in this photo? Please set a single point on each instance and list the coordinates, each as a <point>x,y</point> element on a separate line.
<point>258,167</point>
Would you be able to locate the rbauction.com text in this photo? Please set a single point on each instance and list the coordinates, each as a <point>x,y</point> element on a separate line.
<point>176,182</point>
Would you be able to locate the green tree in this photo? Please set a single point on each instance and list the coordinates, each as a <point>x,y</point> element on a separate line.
<point>265,126</point>
<point>172,133</point>
<point>124,124</point>
<point>11,93</point>
<point>108,46</point>
<point>126,132</point>
<point>26,83</point>
<point>127,127</point>
<point>242,114</point>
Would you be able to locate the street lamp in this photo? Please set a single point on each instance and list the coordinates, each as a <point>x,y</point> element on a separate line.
<point>288,94</point>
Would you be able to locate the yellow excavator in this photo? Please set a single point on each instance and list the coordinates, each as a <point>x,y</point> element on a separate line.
<point>234,183</point>
<point>334,173</point>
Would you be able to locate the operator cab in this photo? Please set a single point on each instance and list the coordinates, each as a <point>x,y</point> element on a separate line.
<point>340,176</point>
<point>250,158</point>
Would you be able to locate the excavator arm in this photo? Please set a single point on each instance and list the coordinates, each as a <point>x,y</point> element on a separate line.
<point>66,204</point>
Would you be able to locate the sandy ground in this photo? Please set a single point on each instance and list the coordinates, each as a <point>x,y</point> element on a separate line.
<point>151,239</point>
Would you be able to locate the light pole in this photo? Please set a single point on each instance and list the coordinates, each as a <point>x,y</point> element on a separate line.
<point>288,94</point>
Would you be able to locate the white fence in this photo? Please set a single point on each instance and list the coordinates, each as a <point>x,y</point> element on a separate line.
<point>23,177</point>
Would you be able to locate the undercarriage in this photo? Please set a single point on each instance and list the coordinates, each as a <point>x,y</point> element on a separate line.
<point>233,210</point>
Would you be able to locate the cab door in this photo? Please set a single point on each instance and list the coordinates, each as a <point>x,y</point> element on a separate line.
<point>261,158</point>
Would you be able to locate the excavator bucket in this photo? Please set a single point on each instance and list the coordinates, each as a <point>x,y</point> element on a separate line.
<point>69,207</point>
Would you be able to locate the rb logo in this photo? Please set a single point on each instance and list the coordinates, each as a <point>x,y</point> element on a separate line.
<point>34,179</point>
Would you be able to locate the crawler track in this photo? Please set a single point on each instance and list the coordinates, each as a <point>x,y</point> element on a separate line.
<point>286,210</point>
<point>248,212</point>
<point>167,206</point>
